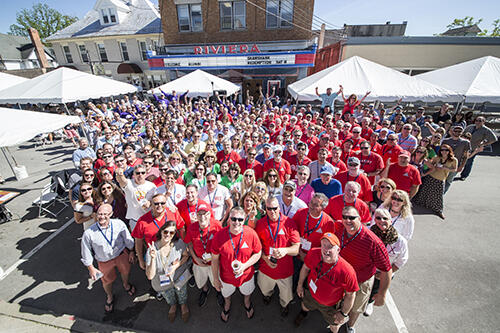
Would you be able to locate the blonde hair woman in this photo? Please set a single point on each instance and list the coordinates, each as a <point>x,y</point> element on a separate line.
<point>399,205</point>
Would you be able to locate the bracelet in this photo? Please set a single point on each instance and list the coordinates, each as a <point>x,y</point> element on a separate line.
<point>343,314</point>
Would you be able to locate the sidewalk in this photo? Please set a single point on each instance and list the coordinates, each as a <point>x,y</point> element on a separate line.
<point>19,318</point>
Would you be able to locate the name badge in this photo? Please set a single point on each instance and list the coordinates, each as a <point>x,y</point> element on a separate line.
<point>164,280</point>
<point>271,250</point>
<point>206,256</point>
<point>312,286</point>
<point>193,217</point>
<point>305,244</point>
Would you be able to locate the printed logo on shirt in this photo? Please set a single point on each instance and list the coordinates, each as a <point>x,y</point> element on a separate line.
<point>211,236</point>
<point>319,231</point>
<point>406,174</point>
<point>281,232</point>
<point>245,245</point>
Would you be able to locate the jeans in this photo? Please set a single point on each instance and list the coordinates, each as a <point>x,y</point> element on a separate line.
<point>448,181</point>
<point>468,167</point>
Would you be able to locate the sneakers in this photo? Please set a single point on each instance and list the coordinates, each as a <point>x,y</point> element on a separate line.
<point>159,296</point>
<point>284,311</point>
<point>369,310</point>
<point>351,330</point>
<point>202,300</point>
<point>192,282</point>
<point>300,318</point>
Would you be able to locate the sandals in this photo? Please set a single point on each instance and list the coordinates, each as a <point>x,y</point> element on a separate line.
<point>225,313</point>
<point>109,306</point>
<point>131,290</point>
<point>249,309</point>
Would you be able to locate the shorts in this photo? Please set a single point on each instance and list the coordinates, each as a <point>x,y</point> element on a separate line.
<point>202,274</point>
<point>246,288</point>
<point>107,268</point>
<point>267,284</point>
<point>362,295</point>
<point>328,312</point>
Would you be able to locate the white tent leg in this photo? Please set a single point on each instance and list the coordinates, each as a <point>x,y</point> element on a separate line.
<point>8,161</point>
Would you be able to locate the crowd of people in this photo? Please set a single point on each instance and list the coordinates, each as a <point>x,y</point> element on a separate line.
<point>228,194</point>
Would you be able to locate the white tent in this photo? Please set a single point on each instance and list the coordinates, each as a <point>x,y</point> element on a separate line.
<point>478,80</point>
<point>64,85</point>
<point>199,83</point>
<point>358,75</point>
<point>9,80</point>
<point>18,126</point>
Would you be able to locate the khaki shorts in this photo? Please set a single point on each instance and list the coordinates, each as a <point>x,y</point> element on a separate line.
<point>246,288</point>
<point>362,295</point>
<point>266,285</point>
<point>108,270</point>
<point>328,312</point>
<point>202,274</point>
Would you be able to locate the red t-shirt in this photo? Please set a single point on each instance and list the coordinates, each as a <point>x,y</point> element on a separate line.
<point>371,163</point>
<point>361,179</point>
<point>256,166</point>
<point>283,168</point>
<point>202,243</point>
<point>188,213</point>
<point>376,148</point>
<point>336,204</point>
<point>286,236</point>
<point>314,150</point>
<point>147,227</point>
<point>339,164</point>
<point>332,286</point>
<point>315,228</point>
<point>309,140</point>
<point>365,252</point>
<point>356,143</point>
<point>232,157</point>
<point>135,163</point>
<point>404,177</point>
<point>390,152</point>
<point>222,246</point>
<point>366,133</point>
<point>294,164</point>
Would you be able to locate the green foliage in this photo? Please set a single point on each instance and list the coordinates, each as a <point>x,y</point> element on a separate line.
<point>41,17</point>
<point>465,22</point>
<point>495,32</point>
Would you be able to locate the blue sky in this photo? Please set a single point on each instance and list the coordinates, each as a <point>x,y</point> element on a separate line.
<point>425,17</point>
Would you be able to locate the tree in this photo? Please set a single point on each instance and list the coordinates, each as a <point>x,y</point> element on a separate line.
<point>495,32</point>
<point>41,17</point>
<point>465,22</point>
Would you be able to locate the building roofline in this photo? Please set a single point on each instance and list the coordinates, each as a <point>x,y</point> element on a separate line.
<point>448,40</point>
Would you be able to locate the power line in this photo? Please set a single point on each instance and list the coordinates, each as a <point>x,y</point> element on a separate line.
<point>289,6</point>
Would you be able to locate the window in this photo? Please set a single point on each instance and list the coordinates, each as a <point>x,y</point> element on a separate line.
<point>102,52</point>
<point>123,47</point>
<point>105,17</point>
<point>144,50</point>
<point>232,15</point>
<point>83,53</point>
<point>67,54</point>
<point>279,13</point>
<point>112,15</point>
<point>189,17</point>
<point>108,16</point>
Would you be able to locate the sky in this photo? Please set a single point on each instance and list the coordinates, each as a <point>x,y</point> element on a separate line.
<point>424,17</point>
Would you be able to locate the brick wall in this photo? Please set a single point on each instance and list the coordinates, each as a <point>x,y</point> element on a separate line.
<point>255,24</point>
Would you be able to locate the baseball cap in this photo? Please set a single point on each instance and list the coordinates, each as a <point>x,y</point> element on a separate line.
<point>203,207</point>
<point>398,108</point>
<point>326,170</point>
<point>278,148</point>
<point>291,184</point>
<point>353,160</point>
<point>331,238</point>
<point>267,145</point>
<point>404,153</point>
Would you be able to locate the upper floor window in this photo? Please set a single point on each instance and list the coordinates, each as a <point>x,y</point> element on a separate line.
<point>232,15</point>
<point>83,53</point>
<point>279,13</point>
<point>144,50</point>
<point>189,17</point>
<point>67,54</point>
<point>102,52</point>
<point>108,16</point>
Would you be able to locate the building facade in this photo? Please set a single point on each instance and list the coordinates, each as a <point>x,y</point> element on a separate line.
<point>17,53</point>
<point>113,39</point>
<point>256,43</point>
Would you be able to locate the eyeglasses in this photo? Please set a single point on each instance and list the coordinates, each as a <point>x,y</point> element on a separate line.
<point>89,175</point>
<point>272,208</point>
<point>349,217</point>
<point>160,203</point>
<point>237,219</point>
<point>385,187</point>
<point>105,188</point>
<point>166,232</point>
<point>365,147</point>
<point>273,176</point>
<point>302,173</point>
<point>148,162</point>
<point>356,132</point>
<point>397,199</point>
<point>88,189</point>
<point>249,175</point>
<point>119,161</point>
<point>211,181</point>
<point>352,164</point>
<point>381,218</point>
<point>107,156</point>
<point>164,169</point>
<point>260,188</point>
<point>140,173</point>
<point>393,139</point>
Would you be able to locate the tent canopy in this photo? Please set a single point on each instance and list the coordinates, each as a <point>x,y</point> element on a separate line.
<point>199,83</point>
<point>18,126</point>
<point>9,80</point>
<point>478,80</point>
<point>358,75</point>
<point>64,85</point>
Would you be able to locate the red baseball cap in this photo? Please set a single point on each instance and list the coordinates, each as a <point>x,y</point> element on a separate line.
<point>331,238</point>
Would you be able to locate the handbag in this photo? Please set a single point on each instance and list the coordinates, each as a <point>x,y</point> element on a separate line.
<point>183,279</point>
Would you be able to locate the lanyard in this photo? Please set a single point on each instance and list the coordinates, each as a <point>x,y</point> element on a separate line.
<point>302,190</point>
<point>154,221</point>
<point>289,209</point>
<point>213,198</point>
<point>235,250</point>
<point>110,242</point>
<point>343,199</point>
<point>307,232</point>
<point>277,168</point>
<point>196,209</point>
<point>342,245</point>
<point>205,243</point>
<point>320,267</point>
<point>354,178</point>
<point>246,165</point>
<point>170,197</point>
<point>274,237</point>
<point>397,218</point>
<point>363,161</point>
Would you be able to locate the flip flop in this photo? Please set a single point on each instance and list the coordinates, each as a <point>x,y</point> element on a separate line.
<point>109,306</point>
<point>225,313</point>
<point>249,309</point>
<point>130,290</point>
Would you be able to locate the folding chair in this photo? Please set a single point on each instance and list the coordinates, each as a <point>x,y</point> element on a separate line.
<point>47,199</point>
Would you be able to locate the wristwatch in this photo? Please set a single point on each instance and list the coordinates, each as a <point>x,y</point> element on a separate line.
<point>343,314</point>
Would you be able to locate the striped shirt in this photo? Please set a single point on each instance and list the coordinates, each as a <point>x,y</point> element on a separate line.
<point>409,143</point>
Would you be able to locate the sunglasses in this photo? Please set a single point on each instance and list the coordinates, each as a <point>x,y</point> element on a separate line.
<point>365,147</point>
<point>164,169</point>
<point>397,199</point>
<point>166,232</point>
<point>106,156</point>
<point>251,154</point>
<point>349,217</point>
<point>211,181</point>
<point>302,174</point>
<point>273,176</point>
<point>391,139</point>
<point>88,189</point>
<point>272,208</point>
<point>200,169</point>
<point>381,218</point>
<point>301,149</point>
<point>119,161</point>
<point>140,173</point>
<point>260,189</point>
<point>148,162</point>
<point>385,187</point>
<point>352,164</point>
<point>237,219</point>
<point>160,203</point>
<point>249,176</point>
<point>89,175</point>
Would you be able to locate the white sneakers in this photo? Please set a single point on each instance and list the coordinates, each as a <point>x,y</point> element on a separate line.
<point>369,309</point>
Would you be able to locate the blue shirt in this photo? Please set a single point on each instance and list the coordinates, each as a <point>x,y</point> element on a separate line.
<point>332,189</point>
<point>327,100</point>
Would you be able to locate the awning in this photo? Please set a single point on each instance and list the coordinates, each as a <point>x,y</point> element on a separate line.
<point>67,66</point>
<point>128,68</point>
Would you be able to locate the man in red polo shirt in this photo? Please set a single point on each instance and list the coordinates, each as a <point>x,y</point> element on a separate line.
<point>227,153</point>
<point>354,174</point>
<point>371,162</point>
<point>366,253</point>
<point>356,138</point>
<point>251,163</point>
<point>324,141</point>
<point>390,149</point>
<point>405,175</point>
<point>336,161</point>
<point>332,284</point>
<point>280,242</point>
<point>235,250</point>
<point>349,198</point>
<point>189,206</point>
<point>148,225</point>
<point>278,163</point>
<point>199,238</point>
<point>299,159</point>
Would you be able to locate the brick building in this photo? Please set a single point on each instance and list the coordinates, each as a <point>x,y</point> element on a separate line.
<point>255,42</point>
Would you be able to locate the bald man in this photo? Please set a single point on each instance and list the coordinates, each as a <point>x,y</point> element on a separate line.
<point>112,245</point>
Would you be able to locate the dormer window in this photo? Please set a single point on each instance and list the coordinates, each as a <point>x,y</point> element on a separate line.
<point>108,16</point>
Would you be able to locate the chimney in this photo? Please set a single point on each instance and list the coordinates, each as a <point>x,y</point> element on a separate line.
<point>321,37</point>
<point>40,52</point>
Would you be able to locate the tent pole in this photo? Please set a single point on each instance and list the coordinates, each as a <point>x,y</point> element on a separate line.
<point>8,161</point>
<point>11,156</point>
<point>81,123</point>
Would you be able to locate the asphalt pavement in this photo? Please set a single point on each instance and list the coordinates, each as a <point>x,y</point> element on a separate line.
<point>448,285</point>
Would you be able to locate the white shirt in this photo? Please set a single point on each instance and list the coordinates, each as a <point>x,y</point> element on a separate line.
<point>176,195</point>
<point>293,208</point>
<point>404,226</point>
<point>398,252</point>
<point>135,196</point>
<point>215,199</point>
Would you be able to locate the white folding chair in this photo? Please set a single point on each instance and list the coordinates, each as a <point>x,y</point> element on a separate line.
<point>48,198</point>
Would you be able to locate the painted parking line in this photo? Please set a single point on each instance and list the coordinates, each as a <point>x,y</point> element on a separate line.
<point>35,250</point>
<point>396,316</point>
